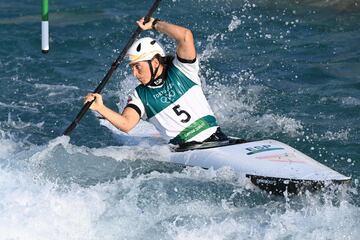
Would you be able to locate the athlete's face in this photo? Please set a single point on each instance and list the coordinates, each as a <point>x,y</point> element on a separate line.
<point>141,70</point>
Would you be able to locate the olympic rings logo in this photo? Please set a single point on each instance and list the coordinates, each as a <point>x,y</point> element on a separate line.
<point>169,98</point>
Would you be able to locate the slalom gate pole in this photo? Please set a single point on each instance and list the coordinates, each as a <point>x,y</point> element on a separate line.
<point>45,26</point>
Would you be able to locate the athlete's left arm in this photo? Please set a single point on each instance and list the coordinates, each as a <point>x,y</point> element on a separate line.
<point>185,47</point>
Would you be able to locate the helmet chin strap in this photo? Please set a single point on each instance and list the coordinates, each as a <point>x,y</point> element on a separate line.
<point>153,78</point>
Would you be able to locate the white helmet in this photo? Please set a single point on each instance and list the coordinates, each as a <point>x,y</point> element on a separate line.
<point>145,49</point>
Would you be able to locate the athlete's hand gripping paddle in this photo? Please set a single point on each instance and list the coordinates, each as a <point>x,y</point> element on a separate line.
<point>114,65</point>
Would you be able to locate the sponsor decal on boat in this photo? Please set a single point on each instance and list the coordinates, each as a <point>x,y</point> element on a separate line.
<point>262,148</point>
<point>282,157</point>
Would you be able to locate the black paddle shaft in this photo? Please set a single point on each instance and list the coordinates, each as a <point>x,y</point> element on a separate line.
<point>114,66</point>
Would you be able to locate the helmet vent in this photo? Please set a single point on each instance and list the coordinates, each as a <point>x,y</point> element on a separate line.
<point>138,47</point>
<point>153,42</point>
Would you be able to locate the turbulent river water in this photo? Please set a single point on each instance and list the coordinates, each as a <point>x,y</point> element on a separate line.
<point>285,70</point>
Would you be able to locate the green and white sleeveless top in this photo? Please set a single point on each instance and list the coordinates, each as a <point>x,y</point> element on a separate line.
<point>177,108</point>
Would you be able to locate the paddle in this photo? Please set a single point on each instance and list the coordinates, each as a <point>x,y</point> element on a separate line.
<point>114,66</point>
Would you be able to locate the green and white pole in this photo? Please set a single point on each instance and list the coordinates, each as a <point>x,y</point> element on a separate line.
<point>45,26</point>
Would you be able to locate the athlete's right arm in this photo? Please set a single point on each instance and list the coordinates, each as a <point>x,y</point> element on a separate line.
<point>125,121</point>
<point>185,47</point>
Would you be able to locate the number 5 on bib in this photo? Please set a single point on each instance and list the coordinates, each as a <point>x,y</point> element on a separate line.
<point>180,112</point>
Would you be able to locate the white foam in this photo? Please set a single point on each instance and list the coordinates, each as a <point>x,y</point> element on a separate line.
<point>45,152</point>
<point>338,135</point>
<point>131,153</point>
<point>238,105</point>
<point>351,101</point>
<point>270,123</point>
<point>19,107</point>
<point>268,223</point>
<point>210,50</point>
<point>38,210</point>
<point>7,145</point>
<point>345,101</point>
<point>234,24</point>
<point>55,87</point>
<point>191,204</point>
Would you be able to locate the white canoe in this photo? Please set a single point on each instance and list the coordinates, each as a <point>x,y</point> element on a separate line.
<point>270,164</point>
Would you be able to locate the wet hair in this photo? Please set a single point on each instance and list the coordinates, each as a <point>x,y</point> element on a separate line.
<point>165,61</point>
